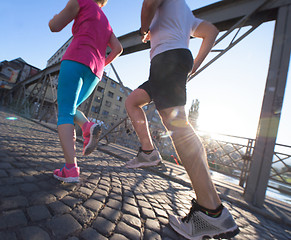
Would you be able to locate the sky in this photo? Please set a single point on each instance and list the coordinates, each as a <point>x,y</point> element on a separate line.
<point>230,91</point>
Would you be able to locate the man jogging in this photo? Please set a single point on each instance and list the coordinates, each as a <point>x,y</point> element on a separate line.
<point>168,24</point>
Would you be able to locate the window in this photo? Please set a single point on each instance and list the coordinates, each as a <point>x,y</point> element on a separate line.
<point>154,119</point>
<point>110,94</point>
<point>105,113</point>
<point>97,99</point>
<point>108,104</point>
<point>119,98</point>
<point>95,109</point>
<point>121,89</point>
<point>146,107</point>
<point>100,89</point>
<point>113,84</point>
<point>103,79</point>
<point>117,108</point>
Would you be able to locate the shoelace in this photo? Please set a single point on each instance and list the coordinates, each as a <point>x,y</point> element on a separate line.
<point>195,207</point>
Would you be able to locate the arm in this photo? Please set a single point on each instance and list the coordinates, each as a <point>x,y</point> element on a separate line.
<point>62,19</point>
<point>148,11</point>
<point>116,49</point>
<point>208,32</point>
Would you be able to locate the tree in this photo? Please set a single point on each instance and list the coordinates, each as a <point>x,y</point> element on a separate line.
<point>194,113</point>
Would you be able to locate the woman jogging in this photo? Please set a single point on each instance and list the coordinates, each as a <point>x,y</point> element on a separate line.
<point>81,69</point>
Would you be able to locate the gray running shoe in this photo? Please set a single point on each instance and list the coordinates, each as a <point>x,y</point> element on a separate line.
<point>91,138</point>
<point>145,160</point>
<point>197,225</point>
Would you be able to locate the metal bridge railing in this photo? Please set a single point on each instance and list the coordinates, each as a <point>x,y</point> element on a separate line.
<point>232,155</point>
<point>226,154</point>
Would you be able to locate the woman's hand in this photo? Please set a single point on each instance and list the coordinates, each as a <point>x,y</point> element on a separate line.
<point>67,15</point>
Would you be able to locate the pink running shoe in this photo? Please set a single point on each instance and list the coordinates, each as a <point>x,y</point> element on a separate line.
<point>91,133</point>
<point>67,175</point>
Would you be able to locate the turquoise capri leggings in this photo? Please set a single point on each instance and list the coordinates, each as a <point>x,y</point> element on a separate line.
<point>76,83</point>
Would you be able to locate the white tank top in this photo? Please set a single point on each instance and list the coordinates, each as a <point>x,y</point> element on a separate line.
<point>172,26</point>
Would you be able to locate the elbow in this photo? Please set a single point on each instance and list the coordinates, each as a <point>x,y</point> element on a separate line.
<point>215,31</point>
<point>53,27</point>
<point>120,50</point>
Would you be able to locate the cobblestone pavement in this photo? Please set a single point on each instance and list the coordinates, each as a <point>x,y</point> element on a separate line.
<point>110,202</point>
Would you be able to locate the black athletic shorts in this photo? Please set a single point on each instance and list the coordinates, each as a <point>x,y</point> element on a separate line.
<point>168,76</point>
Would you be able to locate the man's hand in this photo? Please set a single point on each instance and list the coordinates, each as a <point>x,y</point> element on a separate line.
<point>147,37</point>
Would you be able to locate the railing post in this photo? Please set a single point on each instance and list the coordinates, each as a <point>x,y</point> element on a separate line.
<point>246,166</point>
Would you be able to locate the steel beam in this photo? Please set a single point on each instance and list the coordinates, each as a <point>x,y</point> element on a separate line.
<point>260,169</point>
<point>223,15</point>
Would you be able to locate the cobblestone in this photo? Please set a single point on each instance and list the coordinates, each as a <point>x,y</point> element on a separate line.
<point>82,214</point>
<point>62,226</point>
<point>13,202</point>
<point>128,231</point>
<point>111,214</point>
<point>33,233</point>
<point>110,202</point>
<point>91,234</point>
<point>131,220</point>
<point>93,205</point>
<point>8,235</point>
<point>59,207</point>
<point>37,213</point>
<point>104,226</point>
<point>13,218</point>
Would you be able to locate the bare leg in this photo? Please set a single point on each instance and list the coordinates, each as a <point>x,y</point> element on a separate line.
<point>192,154</point>
<point>134,103</point>
<point>67,137</point>
<point>80,118</point>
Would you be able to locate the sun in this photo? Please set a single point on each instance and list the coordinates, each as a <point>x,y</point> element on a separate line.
<point>228,123</point>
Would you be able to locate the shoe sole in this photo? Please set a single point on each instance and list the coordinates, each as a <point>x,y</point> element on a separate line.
<point>68,179</point>
<point>144,165</point>
<point>229,233</point>
<point>95,132</point>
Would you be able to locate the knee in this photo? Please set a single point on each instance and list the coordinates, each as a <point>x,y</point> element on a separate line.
<point>128,104</point>
<point>137,99</point>
<point>131,103</point>
<point>173,120</point>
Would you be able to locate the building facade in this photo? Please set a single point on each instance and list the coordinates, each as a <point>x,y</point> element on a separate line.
<point>57,57</point>
<point>107,101</point>
<point>14,71</point>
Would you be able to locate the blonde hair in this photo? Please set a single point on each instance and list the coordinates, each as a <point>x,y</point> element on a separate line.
<point>101,2</point>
